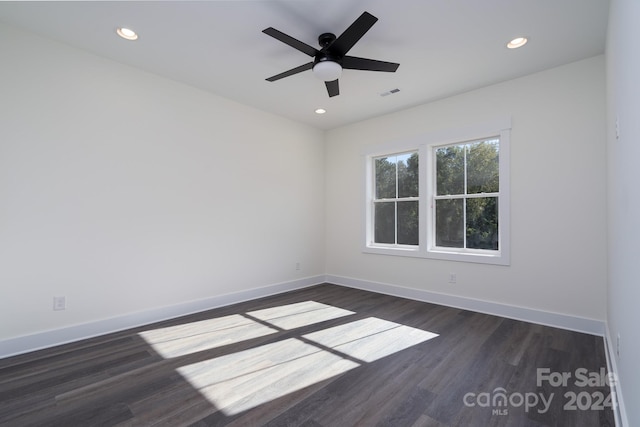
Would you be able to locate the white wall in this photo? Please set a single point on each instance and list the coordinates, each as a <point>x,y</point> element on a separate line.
<point>558,194</point>
<point>126,192</point>
<point>623,89</point>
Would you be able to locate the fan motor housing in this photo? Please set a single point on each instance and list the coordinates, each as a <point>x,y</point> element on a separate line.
<point>322,57</point>
<point>325,39</point>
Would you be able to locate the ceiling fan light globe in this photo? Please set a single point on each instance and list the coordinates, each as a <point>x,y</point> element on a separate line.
<point>327,71</point>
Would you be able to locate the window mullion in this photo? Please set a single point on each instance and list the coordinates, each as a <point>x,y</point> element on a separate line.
<point>481,195</point>
<point>464,200</point>
<point>395,215</point>
<point>464,175</point>
<point>395,204</point>
<point>448,197</point>
<point>464,223</point>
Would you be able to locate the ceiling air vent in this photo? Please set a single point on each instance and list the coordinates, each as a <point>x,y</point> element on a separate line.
<point>389,92</point>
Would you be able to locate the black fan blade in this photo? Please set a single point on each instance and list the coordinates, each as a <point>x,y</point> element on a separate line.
<point>355,63</point>
<point>291,72</point>
<point>286,39</point>
<point>332,88</point>
<point>351,35</point>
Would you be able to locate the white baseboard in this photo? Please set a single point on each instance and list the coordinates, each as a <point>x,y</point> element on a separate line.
<point>563,321</point>
<point>619,410</point>
<point>45,339</point>
<point>50,338</point>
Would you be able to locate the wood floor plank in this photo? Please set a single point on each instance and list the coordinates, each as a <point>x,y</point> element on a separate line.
<point>426,421</point>
<point>321,356</point>
<point>458,349</point>
<point>409,410</point>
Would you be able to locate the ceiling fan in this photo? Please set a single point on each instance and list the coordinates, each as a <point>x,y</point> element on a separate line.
<point>332,58</point>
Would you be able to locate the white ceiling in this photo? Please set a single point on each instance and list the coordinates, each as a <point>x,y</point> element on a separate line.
<point>444,47</point>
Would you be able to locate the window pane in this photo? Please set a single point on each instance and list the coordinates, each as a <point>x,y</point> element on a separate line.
<point>408,175</point>
<point>449,223</point>
<point>483,167</point>
<point>450,170</point>
<point>385,222</point>
<point>408,223</point>
<point>482,223</point>
<point>385,177</point>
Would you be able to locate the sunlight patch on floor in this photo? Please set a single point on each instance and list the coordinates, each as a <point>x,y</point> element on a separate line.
<point>300,314</point>
<point>370,339</point>
<point>246,379</point>
<point>174,341</point>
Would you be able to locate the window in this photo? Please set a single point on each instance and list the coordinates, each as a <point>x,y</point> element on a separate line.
<point>467,182</point>
<point>442,196</point>
<point>395,201</point>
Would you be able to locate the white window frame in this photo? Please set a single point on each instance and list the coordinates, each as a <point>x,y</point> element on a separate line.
<point>391,149</point>
<point>425,145</point>
<point>396,199</point>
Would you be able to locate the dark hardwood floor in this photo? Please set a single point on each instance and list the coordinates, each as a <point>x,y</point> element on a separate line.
<point>322,356</point>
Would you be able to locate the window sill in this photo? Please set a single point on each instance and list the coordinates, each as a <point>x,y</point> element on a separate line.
<point>394,251</point>
<point>477,258</point>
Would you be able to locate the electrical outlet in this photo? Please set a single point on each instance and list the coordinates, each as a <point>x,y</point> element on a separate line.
<point>452,278</point>
<point>59,303</point>
<point>297,266</point>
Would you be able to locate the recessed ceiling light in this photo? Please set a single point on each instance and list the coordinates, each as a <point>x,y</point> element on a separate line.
<point>320,111</point>
<point>517,42</point>
<point>126,33</point>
